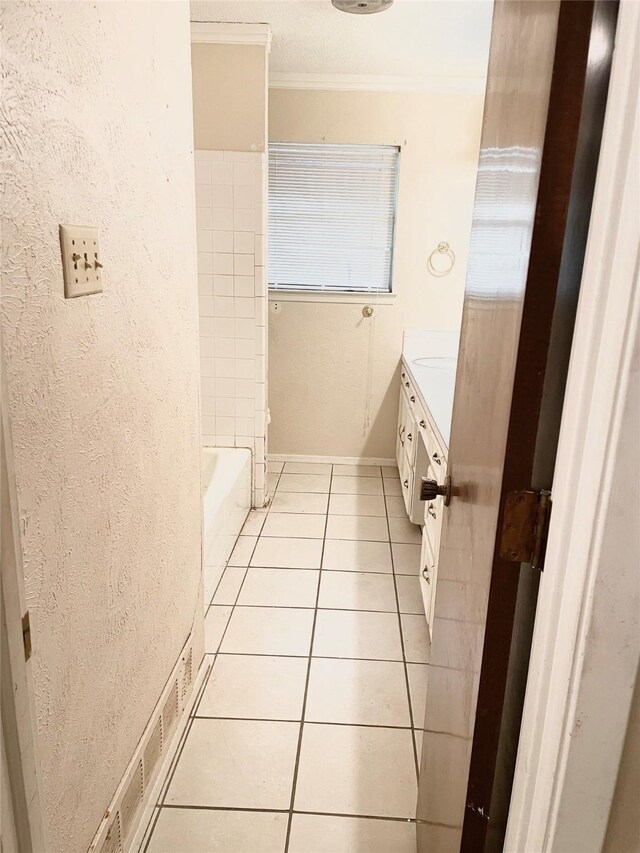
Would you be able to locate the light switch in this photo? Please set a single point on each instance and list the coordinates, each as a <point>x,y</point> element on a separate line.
<point>80,260</point>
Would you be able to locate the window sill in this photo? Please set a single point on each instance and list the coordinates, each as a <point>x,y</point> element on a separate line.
<point>329,296</point>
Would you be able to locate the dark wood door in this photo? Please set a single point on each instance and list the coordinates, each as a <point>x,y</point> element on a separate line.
<point>530,220</point>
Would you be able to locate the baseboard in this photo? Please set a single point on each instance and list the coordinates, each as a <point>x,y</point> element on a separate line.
<point>121,820</point>
<point>334,460</point>
<point>146,820</point>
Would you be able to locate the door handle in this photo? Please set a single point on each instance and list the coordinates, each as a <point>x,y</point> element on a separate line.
<point>430,489</point>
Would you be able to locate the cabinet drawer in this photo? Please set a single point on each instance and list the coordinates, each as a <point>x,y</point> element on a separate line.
<point>433,522</point>
<point>409,388</point>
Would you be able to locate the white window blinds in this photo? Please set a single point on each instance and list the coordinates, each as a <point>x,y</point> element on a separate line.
<point>331,216</point>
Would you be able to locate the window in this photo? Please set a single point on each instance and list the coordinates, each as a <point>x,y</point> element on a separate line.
<point>331,217</point>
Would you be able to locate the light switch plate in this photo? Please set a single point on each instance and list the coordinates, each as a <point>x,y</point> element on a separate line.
<point>80,260</point>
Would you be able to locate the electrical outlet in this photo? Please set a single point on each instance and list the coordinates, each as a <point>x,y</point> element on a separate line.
<point>80,260</point>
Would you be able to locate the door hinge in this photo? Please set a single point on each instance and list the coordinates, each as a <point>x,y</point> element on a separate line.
<point>524,527</point>
<point>26,635</point>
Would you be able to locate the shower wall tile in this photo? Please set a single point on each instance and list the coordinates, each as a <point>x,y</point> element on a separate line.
<point>231,224</point>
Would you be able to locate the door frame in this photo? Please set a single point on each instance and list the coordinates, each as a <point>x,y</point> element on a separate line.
<point>560,693</point>
<point>21,754</point>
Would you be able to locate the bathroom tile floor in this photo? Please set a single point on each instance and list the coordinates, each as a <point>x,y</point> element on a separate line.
<point>306,735</point>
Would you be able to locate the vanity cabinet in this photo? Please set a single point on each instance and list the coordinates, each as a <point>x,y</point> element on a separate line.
<point>420,453</point>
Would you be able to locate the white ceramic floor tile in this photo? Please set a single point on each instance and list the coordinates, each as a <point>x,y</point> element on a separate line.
<point>345,770</point>
<point>415,634</point>
<point>229,586</point>
<point>300,502</point>
<point>286,553</point>
<point>409,594</point>
<point>402,530</point>
<point>357,591</point>
<point>418,674</point>
<point>215,623</point>
<point>312,833</point>
<point>356,634</point>
<point>389,470</point>
<point>242,552</point>
<point>301,525</point>
<point>254,522</point>
<point>349,555</point>
<point>356,486</point>
<point>259,687</point>
<point>218,831</point>
<point>360,692</point>
<point>304,483</point>
<point>406,559</point>
<point>371,527</point>
<point>307,468</point>
<point>356,505</point>
<point>392,486</point>
<point>356,470</point>
<point>396,507</point>
<point>272,481</point>
<point>280,588</point>
<point>268,631</point>
<point>236,764</point>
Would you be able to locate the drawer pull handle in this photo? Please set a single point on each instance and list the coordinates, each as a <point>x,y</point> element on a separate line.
<point>431,511</point>
<point>423,424</point>
<point>409,436</point>
<point>412,398</point>
<point>425,575</point>
<point>404,375</point>
<point>437,459</point>
<point>406,484</point>
<point>406,384</point>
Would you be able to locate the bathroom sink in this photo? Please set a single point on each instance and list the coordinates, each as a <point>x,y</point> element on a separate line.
<point>435,362</point>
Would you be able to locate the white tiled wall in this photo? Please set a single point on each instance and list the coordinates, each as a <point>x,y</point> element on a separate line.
<point>231,222</point>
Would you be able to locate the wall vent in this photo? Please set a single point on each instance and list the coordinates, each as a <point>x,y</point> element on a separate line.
<point>117,829</point>
<point>113,840</point>
<point>170,710</point>
<point>131,800</point>
<point>153,751</point>
<point>186,675</point>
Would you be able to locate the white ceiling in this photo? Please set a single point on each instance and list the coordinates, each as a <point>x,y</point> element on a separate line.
<point>413,39</point>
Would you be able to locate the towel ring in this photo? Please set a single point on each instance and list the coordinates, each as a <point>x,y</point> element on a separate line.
<point>441,249</point>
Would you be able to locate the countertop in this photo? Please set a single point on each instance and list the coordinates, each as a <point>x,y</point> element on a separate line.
<point>434,381</point>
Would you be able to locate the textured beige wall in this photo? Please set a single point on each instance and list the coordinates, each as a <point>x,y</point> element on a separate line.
<point>623,831</point>
<point>102,390</point>
<point>333,384</point>
<point>229,103</point>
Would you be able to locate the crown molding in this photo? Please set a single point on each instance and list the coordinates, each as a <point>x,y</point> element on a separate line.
<point>375,83</point>
<point>210,32</point>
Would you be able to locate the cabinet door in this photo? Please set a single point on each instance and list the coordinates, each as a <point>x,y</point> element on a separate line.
<point>406,482</point>
<point>403,417</point>
<point>427,577</point>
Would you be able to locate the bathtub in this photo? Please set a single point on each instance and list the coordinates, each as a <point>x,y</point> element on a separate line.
<point>226,499</point>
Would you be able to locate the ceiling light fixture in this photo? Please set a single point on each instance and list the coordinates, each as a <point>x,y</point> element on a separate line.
<point>362,7</point>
